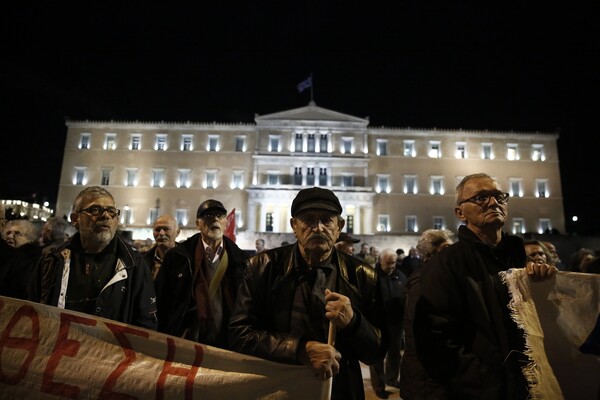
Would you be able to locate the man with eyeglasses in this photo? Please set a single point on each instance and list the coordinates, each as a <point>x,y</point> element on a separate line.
<point>464,334</point>
<point>292,297</point>
<point>95,271</point>
<point>197,283</point>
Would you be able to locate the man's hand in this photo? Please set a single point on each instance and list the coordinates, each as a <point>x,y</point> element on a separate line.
<point>540,271</point>
<point>338,309</point>
<point>322,358</point>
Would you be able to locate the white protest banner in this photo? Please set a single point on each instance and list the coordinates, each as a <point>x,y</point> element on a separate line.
<point>50,353</point>
<point>561,318</point>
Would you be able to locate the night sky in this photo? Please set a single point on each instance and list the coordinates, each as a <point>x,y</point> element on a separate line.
<point>454,65</point>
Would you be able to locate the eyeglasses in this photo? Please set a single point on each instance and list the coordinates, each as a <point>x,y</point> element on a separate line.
<point>97,211</point>
<point>209,216</point>
<point>483,198</point>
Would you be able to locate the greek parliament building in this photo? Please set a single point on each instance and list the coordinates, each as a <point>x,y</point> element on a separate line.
<point>391,182</point>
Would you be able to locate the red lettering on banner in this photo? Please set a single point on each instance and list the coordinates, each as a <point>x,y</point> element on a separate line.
<point>169,369</point>
<point>29,344</point>
<point>120,332</point>
<point>63,347</point>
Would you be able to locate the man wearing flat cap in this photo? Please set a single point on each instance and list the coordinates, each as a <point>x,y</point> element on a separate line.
<point>345,243</point>
<point>197,283</point>
<point>290,295</point>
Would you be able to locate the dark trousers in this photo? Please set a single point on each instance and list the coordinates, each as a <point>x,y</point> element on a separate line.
<point>389,375</point>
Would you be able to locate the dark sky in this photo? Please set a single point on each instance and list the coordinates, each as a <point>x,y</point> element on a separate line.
<point>499,66</point>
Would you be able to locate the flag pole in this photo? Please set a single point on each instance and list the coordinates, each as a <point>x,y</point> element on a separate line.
<point>312,85</point>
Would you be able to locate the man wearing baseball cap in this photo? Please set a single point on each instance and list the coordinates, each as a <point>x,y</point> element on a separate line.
<point>291,295</point>
<point>197,283</point>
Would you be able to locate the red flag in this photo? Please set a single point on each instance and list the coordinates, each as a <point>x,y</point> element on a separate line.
<point>230,228</point>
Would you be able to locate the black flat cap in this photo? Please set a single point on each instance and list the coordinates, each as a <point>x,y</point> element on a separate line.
<point>344,237</point>
<point>316,198</point>
<point>210,205</point>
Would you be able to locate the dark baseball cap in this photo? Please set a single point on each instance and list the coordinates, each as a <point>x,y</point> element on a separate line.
<point>315,198</point>
<point>210,205</point>
<point>344,237</point>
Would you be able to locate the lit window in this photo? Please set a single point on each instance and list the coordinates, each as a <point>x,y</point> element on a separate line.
<point>110,142</point>
<point>461,150</point>
<point>105,178</point>
<point>541,186</point>
<point>518,226</point>
<point>383,223</point>
<point>80,176</point>
<point>382,147</point>
<point>136,141</point>
<point>516,187</point>
<point>213,143</point>
<point>127,216</point>
<point>240,143</point>
<point>85,141</point>
<point>131,179</point>
<point>275,143</point>
<point>537,152</point>
<point>487,151</point>
<point>158,177</point>
<point>545,226</point>
<point>152,215</point>
<point>409,148</point>
<point>411,223</point>
<point>512,151</point>
<point>310,145</point>
<point>383,184</point>
<point>347,145</point>
<point>310,176</point>
<point>438,222</point>
<point>186,143</point>
<point>237,180</point>
<point>297,175</point>
<point>184,179</point>
<point>324,143</point>
<point>323,177</point>
<point>435,149</point>
<point>181,215</point>
<point>437,185</point>
<point>410,184</point>
<point>210,179</point>
<point>161,142</point>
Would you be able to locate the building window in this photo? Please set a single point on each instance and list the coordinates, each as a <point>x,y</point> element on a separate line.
<point>213,143</point>
<point>80,176</point>
<point>161,142</point>
<point>461,150</point>
<point>273,178</point>
<point>411,223</point>
<point>323,144</point>
<point>383,223</point>
<point>410,184</point>
<point>127,215</point>
<point>437,185</point>
<point>239,222</point>
<point>274,143</point>
<point>323,177</point>
<point>382,147</point>
<point>131,179</point>
<point>486,151</point>
<point>383,184</point>
<point>409,148</point>
<point>297,175</point>
<point>350,223</point>
<point>186,143</point>
<point>347,180</point>
<point>184,180</point>
<point>516,187</point>
<point>435,149</point>
<point>237,180</point>
<point>537,152</point>
<point>110,141</point>
<point>310,176</point>
<point>512,151</point>
<point>438,222</point>
<point>541,186</point>
<point>311,143</point>
<point>181,216</point>
<point>136,141</point>
<point>348,145</point>
<point>210,179</point>
<point>153,215</point>
<point>518,226</point>
<point>158,177</point>
<point>545,226</point>
<point>84,141</point>
<point>240,143</point>
<point>105,179</point>
<point>298,140</point>
<point>269,222</point>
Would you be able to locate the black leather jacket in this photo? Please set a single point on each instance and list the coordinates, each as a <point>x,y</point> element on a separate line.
<point>260,324</point>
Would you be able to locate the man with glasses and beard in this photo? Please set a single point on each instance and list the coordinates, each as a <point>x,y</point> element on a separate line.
<point>291,296</point>
<point>197,283</point>
<point>95,271</point>
<point>464,334</point>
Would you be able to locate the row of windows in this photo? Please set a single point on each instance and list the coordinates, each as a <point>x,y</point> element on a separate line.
<point>302,176</point>
<point>383,221</point>
<point>309,143</point>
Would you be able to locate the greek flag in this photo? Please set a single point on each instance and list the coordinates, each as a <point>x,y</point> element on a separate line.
<point>305,84</point>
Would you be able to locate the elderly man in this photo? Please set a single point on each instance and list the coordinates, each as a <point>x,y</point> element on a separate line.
<point>464,334</point>
<point>290,296</point>
<point>165,231</point>
<point>345,243</point>
<point>95,271</point>
<point>197,283</point>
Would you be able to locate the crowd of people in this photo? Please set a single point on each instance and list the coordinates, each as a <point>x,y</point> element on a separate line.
<point>314,302</point>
